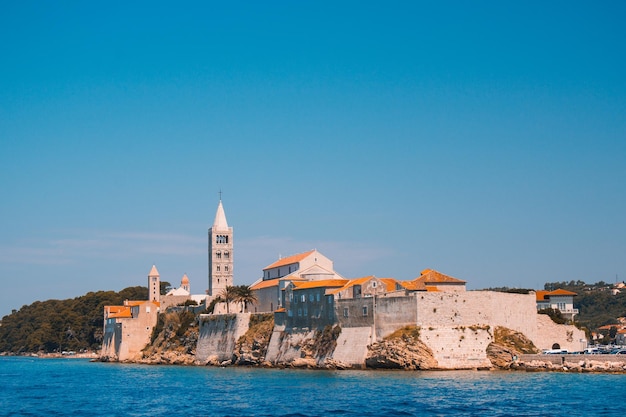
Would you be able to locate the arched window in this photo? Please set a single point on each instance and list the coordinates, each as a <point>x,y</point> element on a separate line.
<point>226,254</point>
<point>226,268</point>
<point>218,268</point>
<point>218,255</point>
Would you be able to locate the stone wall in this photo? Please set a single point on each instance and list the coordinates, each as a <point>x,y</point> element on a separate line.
<point>218,335</point>
<point>457,326</point>
<point>458,347</point>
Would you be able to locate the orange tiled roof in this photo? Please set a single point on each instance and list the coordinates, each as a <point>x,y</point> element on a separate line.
<point>390,283</point>
<point>542,295</point>
<point>265,284</point>
<point>289,260</point>
<point>430,276</point>
<point>115,312</point>
<point>351,283</point>
<point>320,283</point>
<point>414,285</point>
<point>561,292</point>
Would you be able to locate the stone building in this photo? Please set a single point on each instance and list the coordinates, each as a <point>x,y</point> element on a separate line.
<point>559,299</point>
<point>306,266</point>
<point>127,328</point>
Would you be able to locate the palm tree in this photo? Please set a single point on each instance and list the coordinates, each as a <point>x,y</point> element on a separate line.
<point>244,294</point>
<point>228,294</point>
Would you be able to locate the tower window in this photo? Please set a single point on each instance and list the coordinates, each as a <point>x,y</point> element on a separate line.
<point>226,255</point>
<point>218,268</point>
<point>226,268</point>
<point>218,255</point>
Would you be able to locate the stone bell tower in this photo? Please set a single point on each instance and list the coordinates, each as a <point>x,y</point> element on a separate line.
<point>154,285</point>
<point>220,253</point>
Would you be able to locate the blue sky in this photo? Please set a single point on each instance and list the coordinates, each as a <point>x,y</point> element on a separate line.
<point>485,140</point>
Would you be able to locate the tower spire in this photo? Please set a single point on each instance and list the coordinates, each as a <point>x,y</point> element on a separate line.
<point>220,252</point>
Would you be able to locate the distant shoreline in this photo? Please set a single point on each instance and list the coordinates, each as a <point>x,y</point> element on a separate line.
<point>81,355</point>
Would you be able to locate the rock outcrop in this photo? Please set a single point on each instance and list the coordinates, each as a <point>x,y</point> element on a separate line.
<point>507,347</point>
<point>251,348</point>
<point>401,350</point>
<point>174,340</point>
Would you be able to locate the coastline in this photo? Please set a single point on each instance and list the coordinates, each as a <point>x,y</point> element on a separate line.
<point>592,364</point>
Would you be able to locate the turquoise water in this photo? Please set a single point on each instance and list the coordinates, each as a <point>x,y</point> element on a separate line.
<point>49,387</point>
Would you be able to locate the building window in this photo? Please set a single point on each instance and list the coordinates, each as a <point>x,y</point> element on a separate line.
<point>373,284</point>
<point>311,297</point>
<point>290,296</point>
<point>318,297</point>
<point>226,268</point>
<point>226,255</point>
<point>218,268</point>
<point>306,311</point>
<point>364,311</point>
<point>345,311</point>
<point>303,298</point>
<point>218,255</point>
<point>299,312</point>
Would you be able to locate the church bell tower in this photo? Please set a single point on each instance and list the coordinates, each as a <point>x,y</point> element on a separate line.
<point>220,253</point>
<point>154,285</point>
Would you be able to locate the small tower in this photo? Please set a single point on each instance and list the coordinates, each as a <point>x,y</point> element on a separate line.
<point>184,283</point>
<point>154,285</point>
<point>220,253</point>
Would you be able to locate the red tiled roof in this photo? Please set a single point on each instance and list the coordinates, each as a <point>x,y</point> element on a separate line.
<point>541,295</point>
<point>289,260</point>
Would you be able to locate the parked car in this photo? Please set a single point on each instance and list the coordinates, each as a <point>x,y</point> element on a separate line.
<point>555,352</point>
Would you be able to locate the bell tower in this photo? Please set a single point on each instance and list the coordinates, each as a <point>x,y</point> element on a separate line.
<point>154,285</point>
<point>220,253</point>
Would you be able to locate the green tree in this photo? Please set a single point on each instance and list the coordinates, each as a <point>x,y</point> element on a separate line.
<point>244,294</point>
<point>228,295</point>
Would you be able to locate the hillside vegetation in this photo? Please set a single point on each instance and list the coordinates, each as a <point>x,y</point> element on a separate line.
<point>62,325</point>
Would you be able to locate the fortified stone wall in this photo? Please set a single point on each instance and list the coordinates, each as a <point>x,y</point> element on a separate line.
<point>549,333</point>
<point>218,335</point>
<point>458,347</point>
<point>393,313</point>
<point>286,347</point>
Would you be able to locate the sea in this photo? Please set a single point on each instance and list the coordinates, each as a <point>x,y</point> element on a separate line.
<point>78,387</point>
